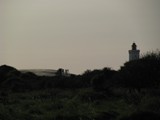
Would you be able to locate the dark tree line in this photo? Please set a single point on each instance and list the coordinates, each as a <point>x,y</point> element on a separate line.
<point>142,73</point>
<point>137,74</point>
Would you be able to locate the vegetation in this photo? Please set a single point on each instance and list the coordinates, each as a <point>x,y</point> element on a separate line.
<point>131,93</point>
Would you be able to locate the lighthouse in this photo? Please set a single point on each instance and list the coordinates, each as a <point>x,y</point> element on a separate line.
<point>134,53</point>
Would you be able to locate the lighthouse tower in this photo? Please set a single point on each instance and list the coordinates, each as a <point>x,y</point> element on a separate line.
<point>134,53</point>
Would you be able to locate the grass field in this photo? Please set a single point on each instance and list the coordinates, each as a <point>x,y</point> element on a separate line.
<point>77,104</point>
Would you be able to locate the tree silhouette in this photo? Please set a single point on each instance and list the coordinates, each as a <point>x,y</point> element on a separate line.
<point>142,73</point>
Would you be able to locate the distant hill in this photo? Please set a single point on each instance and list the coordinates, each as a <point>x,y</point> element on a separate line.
<point>40,72</point>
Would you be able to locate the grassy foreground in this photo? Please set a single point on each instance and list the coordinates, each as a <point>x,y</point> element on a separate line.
<point>78,104</point>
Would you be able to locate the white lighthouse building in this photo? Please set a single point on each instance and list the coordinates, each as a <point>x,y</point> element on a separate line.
<point>134,53</point>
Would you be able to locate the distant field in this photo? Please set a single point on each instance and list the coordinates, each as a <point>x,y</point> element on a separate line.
<point>40,72</point>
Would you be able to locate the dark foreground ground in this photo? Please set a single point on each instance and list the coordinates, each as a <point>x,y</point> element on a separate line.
<point>79,104</point>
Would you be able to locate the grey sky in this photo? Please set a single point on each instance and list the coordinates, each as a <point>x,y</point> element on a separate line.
<point>76,34</point>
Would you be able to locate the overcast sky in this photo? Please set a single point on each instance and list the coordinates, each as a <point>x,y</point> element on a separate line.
<point>76,34</point>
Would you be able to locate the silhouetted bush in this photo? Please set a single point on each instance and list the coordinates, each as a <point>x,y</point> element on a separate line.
<point>7,72</point>
<point>28,75</point>
<point>142,73</point>
<point>102,80</point>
